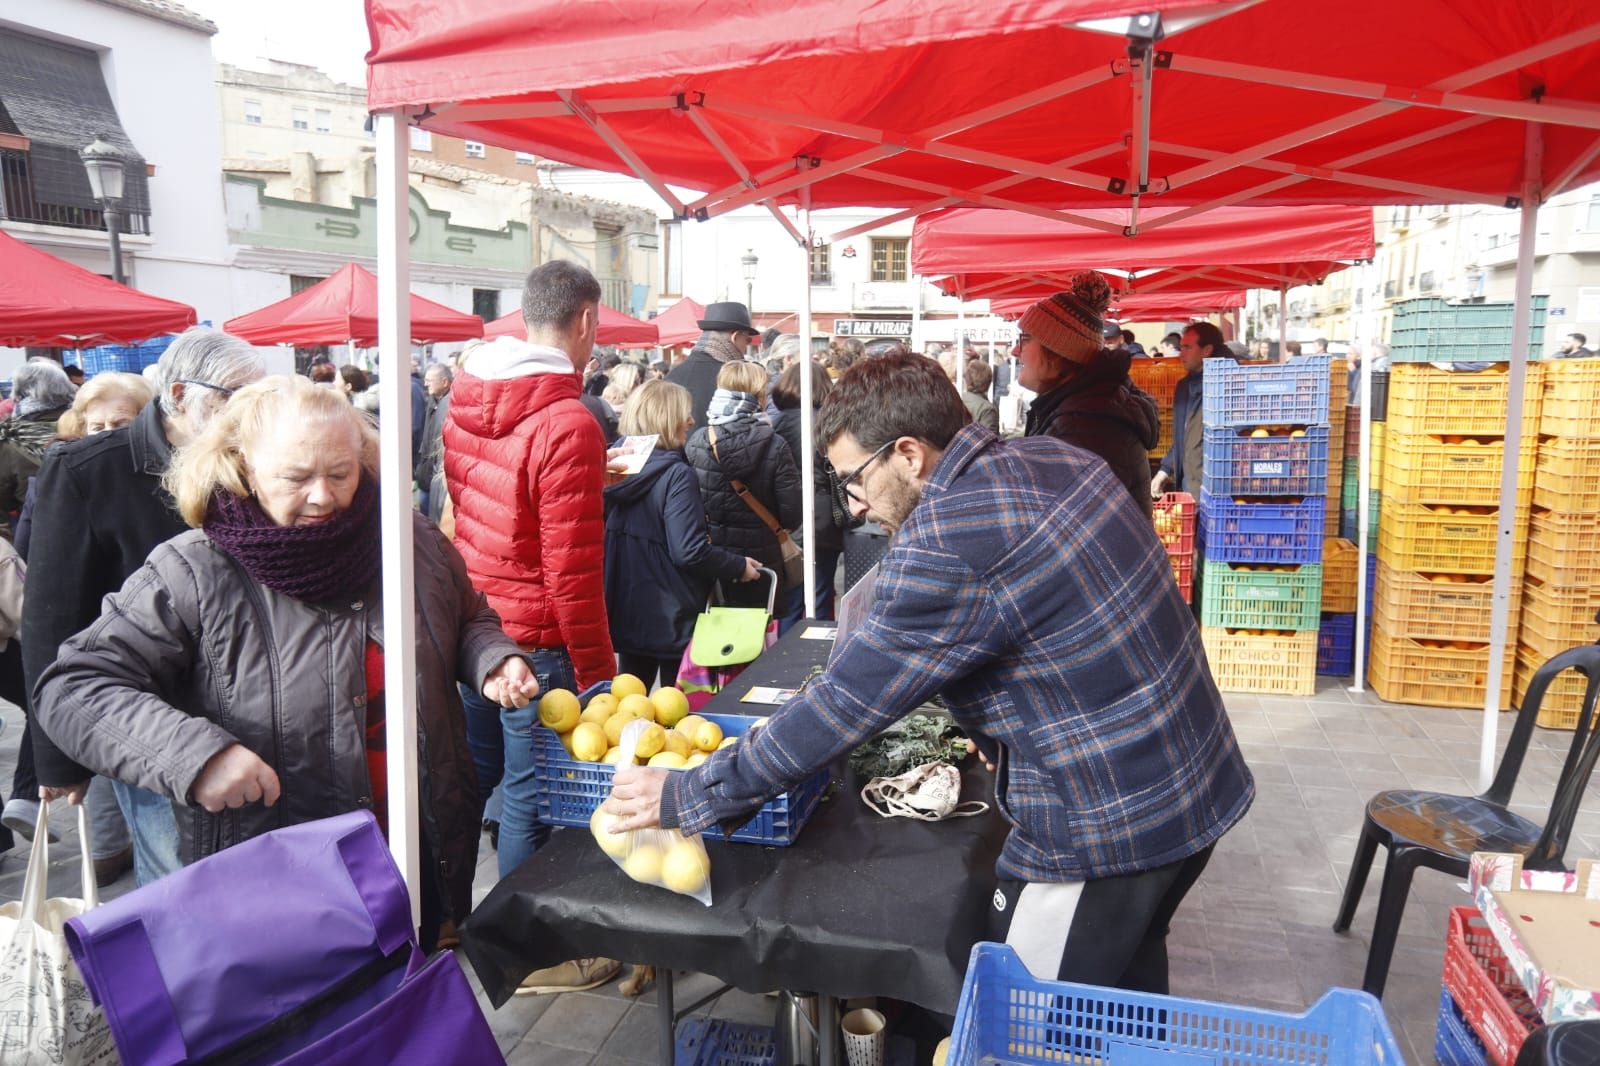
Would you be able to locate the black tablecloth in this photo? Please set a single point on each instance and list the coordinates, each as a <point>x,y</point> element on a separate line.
<point>859,905</point>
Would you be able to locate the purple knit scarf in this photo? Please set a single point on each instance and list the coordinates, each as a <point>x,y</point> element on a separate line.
<point>333,560</point>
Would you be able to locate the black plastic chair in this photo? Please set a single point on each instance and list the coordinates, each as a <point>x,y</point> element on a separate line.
<point>1441,832</point>
<point>1562,1044</point>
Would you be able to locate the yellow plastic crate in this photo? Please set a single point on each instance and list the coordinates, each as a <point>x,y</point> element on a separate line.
<point>1338,387</point>
<point>1564,549</point>
<point>1563,700</point>
<point>1269,663</point>
<point>1435,606</point>
<point>1567,474</point>
<point>1380,451</point>
<point>1425,399</point>
<point>1556,618</point>
<point>1340,561</point>
<point>1403,670</point>
<point>1158,377</point>
<point>1416,536</point>
<point>1572,398</point>
<point>1424,468</point>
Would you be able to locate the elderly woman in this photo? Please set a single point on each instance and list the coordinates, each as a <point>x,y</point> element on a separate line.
<point>1085,395</point>
<point>240,671</point>
<point>42,394</point>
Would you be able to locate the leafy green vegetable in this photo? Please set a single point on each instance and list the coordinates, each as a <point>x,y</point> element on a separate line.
<point>910,742</point>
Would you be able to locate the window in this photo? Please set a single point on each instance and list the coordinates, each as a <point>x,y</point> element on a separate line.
<point>889,258</point>
<point>252,112</point>
<point>301,118</point>
<point>486,304</point>
<point>525,159</point>
<point>671,258</point>
<point>421,140</point>
<point>1592,222</point>
<point>324,121</point>
<point>822,264</point>
<point>474,150</point>
<point>299,283</point>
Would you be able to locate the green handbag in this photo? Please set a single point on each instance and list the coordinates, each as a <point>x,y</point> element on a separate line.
<point>732,636</point>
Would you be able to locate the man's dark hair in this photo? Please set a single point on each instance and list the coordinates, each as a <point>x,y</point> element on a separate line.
<point>1127,336</point>
<point>1173,339</point>
<point>611,362</point>
<point>1321,342</point>
<point>768,337</point>
<point>358,380</point>
<point>925,404</point>
<point>1207,333</point>
<point>978,376</point>
<point>1293,347</point>
<point>75,373</point>
<point>556,292</point>
<point>786,390</point>
<point>1580,338</point>
<point>323,373</point>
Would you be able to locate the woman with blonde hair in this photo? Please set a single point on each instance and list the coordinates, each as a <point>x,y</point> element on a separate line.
<point>239,672</point>
<point>660,564</point>
<point>104,402</point>
<point>745,468</point>
<point>622,380</point>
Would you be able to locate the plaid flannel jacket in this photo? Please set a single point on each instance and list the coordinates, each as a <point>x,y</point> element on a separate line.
<point>1027,588</point>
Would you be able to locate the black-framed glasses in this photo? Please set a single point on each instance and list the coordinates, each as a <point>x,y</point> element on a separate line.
<point>847,481</point>
<point>227,393</point>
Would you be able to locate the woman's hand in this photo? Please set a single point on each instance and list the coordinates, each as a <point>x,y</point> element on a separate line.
<point>972,749</point>
<point>511,684</point>
<point>636,798</point>
<point>752,569</point>
<point>73,794</point>
<point>233,777</point>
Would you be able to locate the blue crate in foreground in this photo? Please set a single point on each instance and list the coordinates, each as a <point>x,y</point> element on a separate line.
<point>1285,534</point>
<point>713,1042</point>
<point>1454,1042</point>
<point>1008,1017</point>
<point>1267,394</point>
<point>1336,645</point>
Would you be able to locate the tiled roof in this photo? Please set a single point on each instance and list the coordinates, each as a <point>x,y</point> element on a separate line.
<point>167,11</point>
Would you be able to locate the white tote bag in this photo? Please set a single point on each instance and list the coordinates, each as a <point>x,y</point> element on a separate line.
<point>46,1015</point>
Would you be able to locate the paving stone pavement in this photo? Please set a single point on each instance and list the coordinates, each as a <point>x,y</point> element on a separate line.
<point>1256,929</point>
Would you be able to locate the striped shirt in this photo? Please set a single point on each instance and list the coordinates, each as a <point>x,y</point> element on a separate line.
<point>1027,589</point>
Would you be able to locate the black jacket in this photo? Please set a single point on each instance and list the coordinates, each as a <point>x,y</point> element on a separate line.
<point>660,563</point>
<point>698,374</point>
<point>825,533</point>
<point>431,460</point>
<point>751,452</point>
<point>602,414</point>
<point>99,511</point>
<point>1102,411</point>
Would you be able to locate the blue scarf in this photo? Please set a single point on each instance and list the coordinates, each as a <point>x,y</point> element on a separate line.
<point>729,406</point>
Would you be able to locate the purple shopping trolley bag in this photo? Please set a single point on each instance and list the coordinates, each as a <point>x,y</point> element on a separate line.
<point>271,948</point>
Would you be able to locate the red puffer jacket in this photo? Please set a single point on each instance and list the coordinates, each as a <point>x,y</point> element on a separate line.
<point>525,463</point>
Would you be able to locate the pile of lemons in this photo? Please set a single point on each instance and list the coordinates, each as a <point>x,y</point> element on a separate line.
<point>673,740</point>
<point>662,857</point>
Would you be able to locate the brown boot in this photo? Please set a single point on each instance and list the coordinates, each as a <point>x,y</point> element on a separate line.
<point>579,975</point>
<point>112,867</point>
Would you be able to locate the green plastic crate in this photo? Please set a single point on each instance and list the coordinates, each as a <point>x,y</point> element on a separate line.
<point>1429,330</point>
<point>1237,598</point>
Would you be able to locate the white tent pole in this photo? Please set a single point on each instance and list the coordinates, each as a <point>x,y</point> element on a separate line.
<point>808,420</point>
<point>1521,319</point>
<point>394,466</point>
<point>916,314</point>
<point>1283,324</point>
<point>961,343</point>
<point>1363,523</point>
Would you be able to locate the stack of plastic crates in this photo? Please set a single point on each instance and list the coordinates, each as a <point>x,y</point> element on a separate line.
<point>1174,515</point>
<point>1339,445</point>
<point>1485,1014</point>
<point>1159,377</point>
<point>1336,636</point>
<point>1428,330</point>
<point>1262,519</point>
<point>1443,453</point>
<point>1562,589</point>
<point>1008,1017</point>
<point>1350,486</point>
<point>124,358</point>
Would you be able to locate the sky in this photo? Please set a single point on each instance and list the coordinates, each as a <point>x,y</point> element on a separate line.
<point>328,34</point>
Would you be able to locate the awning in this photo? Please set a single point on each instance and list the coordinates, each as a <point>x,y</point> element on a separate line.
<point>981,252</point>
<point>616,329</point>
<point>678,324</point>
<point>1138,307</point>
<point>49,302</point>
<point>344,308</point>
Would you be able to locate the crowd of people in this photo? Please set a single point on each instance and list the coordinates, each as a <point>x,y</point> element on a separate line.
<point>199,640</point>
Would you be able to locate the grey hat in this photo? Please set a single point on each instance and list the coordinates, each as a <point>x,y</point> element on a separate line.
<point>727,317</point>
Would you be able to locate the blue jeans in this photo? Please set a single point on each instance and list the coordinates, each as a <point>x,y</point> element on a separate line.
<point>154,830</point>
<point>521,832</point>
<point>794,606</point>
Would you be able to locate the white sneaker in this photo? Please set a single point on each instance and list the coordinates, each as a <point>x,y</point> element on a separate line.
<point>21,815</point>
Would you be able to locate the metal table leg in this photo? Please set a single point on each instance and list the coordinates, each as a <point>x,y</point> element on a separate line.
<point>665,1018</point>
<point>827,1031</point>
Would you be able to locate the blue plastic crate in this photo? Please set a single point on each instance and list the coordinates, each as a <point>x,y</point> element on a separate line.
<point>1281,533</point>
<point>1349,521</point>
<point>1454,1042</point>
<point>1268,394</point>
<point>569,790</point>
<point>714,1042</point>
<point>1008,1017</point>
<point>1336,645</point>
<point>124,358</point>
<point>1238,465</point>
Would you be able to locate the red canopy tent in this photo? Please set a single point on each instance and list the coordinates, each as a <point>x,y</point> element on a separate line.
<point>1138,307</point>
<point>981,252</point>
<point>616,328</point>
<point>343,309</point>
<point>49,302</point>
<point>677,324</point>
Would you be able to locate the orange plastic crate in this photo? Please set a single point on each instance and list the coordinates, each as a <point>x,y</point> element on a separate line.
<point>1269,663</point>
<point>1404,670</point>
<point>1340,561</point>
<point>1409,604</point>
<point>1564,549</point>
<point>1563,700</point>
<point>1567,476</point>
<point>1425,399</point>
<point>1555,618</point>
<point>1572,398</point>
<point>1422,537</point>
<point>1424,468</point>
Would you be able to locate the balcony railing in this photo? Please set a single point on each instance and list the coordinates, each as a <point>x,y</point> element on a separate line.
<point>19,202</point>
<point>617,294</point>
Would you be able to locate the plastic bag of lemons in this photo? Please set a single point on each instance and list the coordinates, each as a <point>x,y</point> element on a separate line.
<point>663,857</point>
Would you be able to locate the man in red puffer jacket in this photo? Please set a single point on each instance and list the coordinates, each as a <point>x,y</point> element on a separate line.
<point>525,464</point>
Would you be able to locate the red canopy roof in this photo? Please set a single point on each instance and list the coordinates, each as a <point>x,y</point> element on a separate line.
<point>1007,253</point>
<point>928,103</point>
<point>344,308</point>
<point>616,328</point>
<point>677,323</point>
<point>49,302</point>
<point>1142,307</point>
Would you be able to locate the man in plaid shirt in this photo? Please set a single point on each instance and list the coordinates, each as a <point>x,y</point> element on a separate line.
<point>1023,585</point>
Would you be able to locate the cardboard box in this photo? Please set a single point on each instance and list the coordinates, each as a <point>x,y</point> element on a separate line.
<point>1548,925</point>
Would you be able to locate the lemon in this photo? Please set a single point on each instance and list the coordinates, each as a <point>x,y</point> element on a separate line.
<point>644,864</point>
<point>558,709</point>
<point>600,708</point>
<point>613,844</point>
<point>727,742</point>
<point>566,741</point>
<point>588,742</point>
<point>671,706</point>
<point>650,742</point>
<point>686,868</point>
<point>615,723</point>
<point>638,706</point>
<point>613,756</point>
<point>666,760</point>
<point>688,724</point>
<point>625,685</point>
<point>707,736</point>
<point>695,759</point>
<point>1260,433</point>
<point>677,743</point>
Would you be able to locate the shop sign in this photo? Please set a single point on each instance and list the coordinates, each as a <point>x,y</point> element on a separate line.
<point>867,327</point>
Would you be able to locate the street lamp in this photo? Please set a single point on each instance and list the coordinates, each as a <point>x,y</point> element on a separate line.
<point>749,260</point>
<point>107,169</point>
